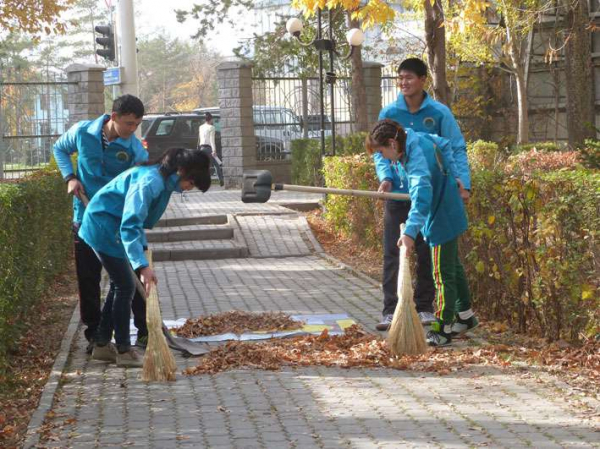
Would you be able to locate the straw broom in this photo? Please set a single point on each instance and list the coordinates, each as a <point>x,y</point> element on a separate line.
<point>159,363</point>
<point>406,335</point>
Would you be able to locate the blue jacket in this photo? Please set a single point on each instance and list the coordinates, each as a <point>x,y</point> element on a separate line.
<point>432,118</point>
<point>95,166</point>
<point>116,217</point>
<point>436,210</point>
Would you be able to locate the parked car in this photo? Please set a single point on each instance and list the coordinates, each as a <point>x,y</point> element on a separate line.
<point>313,123</point>
<point>270,145</point>
<point>181,130</point>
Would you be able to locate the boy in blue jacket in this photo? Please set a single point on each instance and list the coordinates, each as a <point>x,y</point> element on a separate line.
<point>106,147</point>
<point>415,110</point>
<point>113,225</point>
<point>437,211</point>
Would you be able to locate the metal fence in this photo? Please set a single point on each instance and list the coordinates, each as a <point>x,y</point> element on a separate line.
<point>288,108</point>
<point>389,85</point>
<point>33,114</point>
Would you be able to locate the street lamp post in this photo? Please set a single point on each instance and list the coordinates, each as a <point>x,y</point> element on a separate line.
<point>355,37</point>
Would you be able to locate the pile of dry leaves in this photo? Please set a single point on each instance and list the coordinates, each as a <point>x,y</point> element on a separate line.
<point>237,322</point>
<point>355,348</point>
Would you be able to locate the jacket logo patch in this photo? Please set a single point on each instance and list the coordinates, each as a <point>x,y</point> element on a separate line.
<point>429,122</point>
<point>122,156</point>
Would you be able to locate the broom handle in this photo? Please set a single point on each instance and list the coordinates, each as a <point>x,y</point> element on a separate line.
<point>366,193</point>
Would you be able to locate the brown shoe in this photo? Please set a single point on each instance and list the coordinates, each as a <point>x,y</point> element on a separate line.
<point>106,353</point>
<point>130,359</point>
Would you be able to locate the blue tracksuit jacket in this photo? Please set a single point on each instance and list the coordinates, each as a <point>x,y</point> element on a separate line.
<point>437,210</point>
<point>432,118</point>
<point>116,217</point>
<point>95,165</point>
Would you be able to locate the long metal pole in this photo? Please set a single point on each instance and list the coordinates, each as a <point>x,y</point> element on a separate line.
<point>332,86</point>
<point>349,192</point>
<point>321,93</point>
<point>128,53</point>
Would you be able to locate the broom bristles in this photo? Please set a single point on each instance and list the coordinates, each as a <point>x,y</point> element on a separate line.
<point>406,335</point>
<point>159,363</point>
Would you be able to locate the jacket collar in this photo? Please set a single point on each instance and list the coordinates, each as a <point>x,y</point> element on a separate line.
<point>401,102</point>
<point>172,183</point>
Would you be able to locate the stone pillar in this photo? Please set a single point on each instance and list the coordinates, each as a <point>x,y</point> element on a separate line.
<point>86,98</point>
<point>372,75</point>
<point>238,142</point>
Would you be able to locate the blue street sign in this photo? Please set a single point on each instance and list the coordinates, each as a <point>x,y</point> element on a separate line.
<point>112,76</point>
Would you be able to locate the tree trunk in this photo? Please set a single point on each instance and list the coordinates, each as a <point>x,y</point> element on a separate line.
<point>519,56</point>
<point>579,73</point>
<point>435,37</point>
<point>523,105</point>
<point>359,92</point>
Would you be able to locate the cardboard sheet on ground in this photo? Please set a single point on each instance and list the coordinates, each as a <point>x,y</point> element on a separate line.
<point>314,324</point>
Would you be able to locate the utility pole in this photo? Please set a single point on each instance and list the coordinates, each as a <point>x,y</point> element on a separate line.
<point>127,46</point>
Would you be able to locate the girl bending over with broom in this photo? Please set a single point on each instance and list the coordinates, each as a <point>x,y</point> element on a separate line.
<point>438,212</point>
<point>113,225</point>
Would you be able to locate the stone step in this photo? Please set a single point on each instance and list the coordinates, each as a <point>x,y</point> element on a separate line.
<point>198,250</point>
<point>190,232</point>
<point>188,221</point>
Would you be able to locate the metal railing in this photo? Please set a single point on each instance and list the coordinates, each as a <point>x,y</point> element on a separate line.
<point>33,114</point>
<point>288,108</point>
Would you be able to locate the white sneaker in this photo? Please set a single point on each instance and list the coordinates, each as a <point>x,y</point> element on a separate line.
<point>427,318</point>
<point>130,359</point>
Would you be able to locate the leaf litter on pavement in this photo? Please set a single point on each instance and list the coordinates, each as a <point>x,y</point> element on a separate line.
<point>358,348</point>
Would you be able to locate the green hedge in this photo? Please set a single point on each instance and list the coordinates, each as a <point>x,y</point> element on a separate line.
<point>358,218</point>
<point>531,252</point>
<point>306,156</point>
<point>36,242</point>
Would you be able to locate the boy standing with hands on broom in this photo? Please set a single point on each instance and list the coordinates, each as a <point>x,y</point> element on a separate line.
<point>437,211</point>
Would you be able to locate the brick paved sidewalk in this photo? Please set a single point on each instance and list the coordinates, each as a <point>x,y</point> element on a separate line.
<point>97,405</point>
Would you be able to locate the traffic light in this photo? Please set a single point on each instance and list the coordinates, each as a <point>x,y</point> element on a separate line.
<point>107,41</point>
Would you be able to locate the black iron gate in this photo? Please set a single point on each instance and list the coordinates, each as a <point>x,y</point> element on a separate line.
<point>33,114</point>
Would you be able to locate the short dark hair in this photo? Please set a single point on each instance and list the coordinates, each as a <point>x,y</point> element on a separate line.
<point>208,116</point>
<point>415,65</point>
<point>128,104</point>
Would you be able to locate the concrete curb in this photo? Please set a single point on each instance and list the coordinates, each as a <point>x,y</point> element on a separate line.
<point>32,436</point>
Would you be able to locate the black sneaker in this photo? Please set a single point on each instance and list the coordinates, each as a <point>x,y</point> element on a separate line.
<point>385,323</point>
<point>462,326</point>
<point>436,338</point>
<point>142,341</point>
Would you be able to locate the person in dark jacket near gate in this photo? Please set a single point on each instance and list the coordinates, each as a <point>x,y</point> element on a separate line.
<point>105,148</point>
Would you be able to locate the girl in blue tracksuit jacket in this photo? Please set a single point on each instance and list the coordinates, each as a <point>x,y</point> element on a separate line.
<point>113,225</point>
<point>437,211</point>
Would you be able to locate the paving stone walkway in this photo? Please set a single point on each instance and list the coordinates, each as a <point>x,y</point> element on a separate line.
<point>100,406</point>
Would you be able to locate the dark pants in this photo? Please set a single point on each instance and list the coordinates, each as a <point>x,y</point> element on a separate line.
<point>206,149</point>
<point>396,212</point>
<point>89,270</point>
<point>117,306</point>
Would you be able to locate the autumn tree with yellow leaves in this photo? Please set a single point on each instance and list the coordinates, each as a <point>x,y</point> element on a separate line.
<point>33,16</point>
